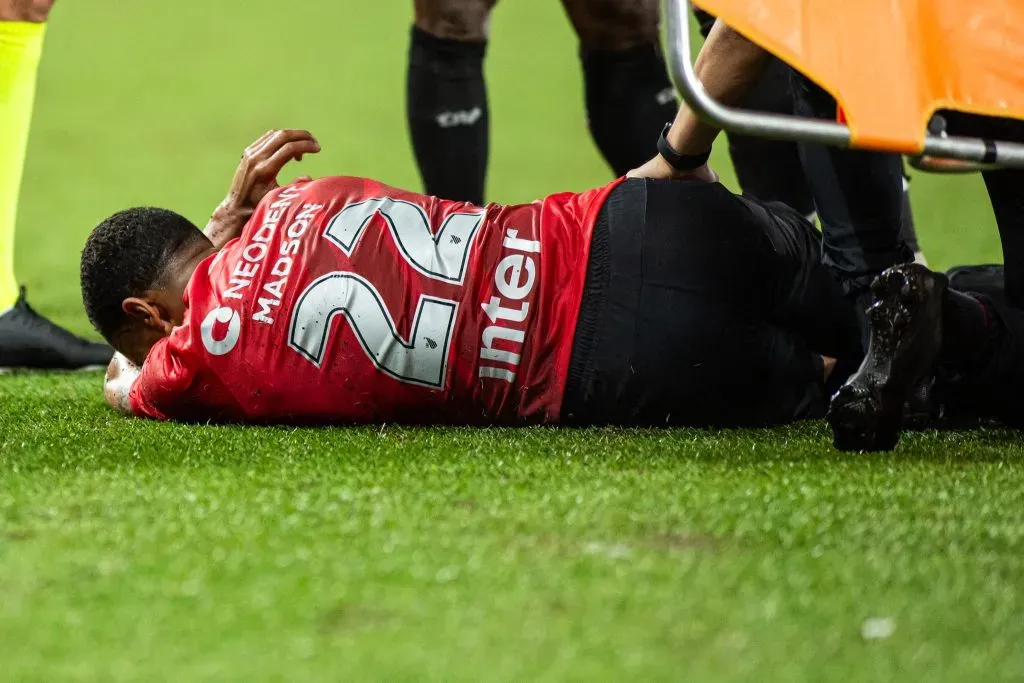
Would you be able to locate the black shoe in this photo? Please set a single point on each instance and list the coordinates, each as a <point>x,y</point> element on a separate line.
<point>987,279</point>
<point>867,413</point>
<point>28,340</point>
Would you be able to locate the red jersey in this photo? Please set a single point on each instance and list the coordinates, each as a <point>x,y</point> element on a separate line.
<point>345,300</point>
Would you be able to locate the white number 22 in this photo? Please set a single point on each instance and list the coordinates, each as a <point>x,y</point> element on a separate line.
<point>422,357</point>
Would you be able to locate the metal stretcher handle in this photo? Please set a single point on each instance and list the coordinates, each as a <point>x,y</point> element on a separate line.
<point>949,166</point>
<point>937,149</point>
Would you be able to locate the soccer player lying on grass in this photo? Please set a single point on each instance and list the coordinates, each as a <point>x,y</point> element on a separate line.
<point>343,300</point>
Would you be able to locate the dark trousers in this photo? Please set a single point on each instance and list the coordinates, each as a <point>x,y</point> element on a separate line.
<point>859,196</point>
<point>1006,192</point>
<point>769,170</point>
<point>703,308</point>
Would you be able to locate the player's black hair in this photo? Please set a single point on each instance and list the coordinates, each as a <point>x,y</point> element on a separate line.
<point>124,256</point>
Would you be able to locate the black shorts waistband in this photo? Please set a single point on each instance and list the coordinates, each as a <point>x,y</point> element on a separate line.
<point>595,293</point>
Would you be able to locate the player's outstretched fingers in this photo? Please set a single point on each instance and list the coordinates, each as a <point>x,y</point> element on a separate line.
<point>269,168</point>
<point>258,144</point>
<point>280,138</point>
<point>268,143</point>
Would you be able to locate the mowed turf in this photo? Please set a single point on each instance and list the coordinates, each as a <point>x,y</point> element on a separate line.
<point>139,551</point>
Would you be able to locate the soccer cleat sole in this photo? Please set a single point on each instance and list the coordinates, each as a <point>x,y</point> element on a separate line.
<point>860,422</point>
<point>867,413</point>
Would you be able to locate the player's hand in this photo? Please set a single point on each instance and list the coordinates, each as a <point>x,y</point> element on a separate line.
<point>117,385</point>
<point>264,159</point>
<point>255,177</point>
<point>660,169</point>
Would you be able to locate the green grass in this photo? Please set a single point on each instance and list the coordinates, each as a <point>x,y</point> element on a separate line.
<point>139,551</point>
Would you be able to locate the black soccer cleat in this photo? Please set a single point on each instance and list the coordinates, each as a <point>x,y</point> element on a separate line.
<point>988,279</point>
<point>867,412</point>
<point>30,341</point>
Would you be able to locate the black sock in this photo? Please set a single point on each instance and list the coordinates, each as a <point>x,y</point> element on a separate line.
<point>629,99</point>
<point>446,106</point>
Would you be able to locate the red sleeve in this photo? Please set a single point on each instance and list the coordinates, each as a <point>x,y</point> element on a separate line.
<point>160,388</point>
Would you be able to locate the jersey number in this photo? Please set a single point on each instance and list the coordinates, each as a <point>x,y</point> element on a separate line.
<point>422,357</point>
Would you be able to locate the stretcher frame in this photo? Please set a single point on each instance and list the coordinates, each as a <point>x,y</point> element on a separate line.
<point>941,153</point>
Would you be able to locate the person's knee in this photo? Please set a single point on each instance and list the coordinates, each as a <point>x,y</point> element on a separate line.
<point>36,11</point>
<point>454,19</point>
<point>614,24</point>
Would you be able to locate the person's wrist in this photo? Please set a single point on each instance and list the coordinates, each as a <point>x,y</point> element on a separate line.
<point>680,161</point>
<point>665,169</point>
<point>229,209</point>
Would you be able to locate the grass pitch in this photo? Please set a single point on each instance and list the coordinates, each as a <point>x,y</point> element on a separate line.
<point>139,551</point>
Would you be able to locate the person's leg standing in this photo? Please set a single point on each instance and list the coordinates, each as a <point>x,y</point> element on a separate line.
<point>982,361</point>
<point>446,97</point>
<point>769,170</point>
<point>628,94</point>
<point>26,338</point>
<point>859,196</point>
<point>1006,192</point>
<point>21,45</point>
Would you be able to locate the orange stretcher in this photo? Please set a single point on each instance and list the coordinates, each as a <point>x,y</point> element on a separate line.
<point>890,64</point>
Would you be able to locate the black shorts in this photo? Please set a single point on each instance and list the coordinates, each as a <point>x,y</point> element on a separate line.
<point>703,308</point>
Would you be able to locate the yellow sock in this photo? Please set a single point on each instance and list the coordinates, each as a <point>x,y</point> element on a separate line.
<point>21,44</point>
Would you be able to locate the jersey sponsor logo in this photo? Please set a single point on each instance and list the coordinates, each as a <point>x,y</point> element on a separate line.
<point>273,289</point>
<point>222,315</point>
<point>514,277</point>
<point>256,254</point>
<point>421,357</point>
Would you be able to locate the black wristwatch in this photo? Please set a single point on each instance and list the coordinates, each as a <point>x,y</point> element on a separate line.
<point>681,162</point>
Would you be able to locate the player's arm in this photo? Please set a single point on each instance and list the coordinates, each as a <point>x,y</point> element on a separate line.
<point>255,176</point>
<point>117,385</point>
<point>728,66</point>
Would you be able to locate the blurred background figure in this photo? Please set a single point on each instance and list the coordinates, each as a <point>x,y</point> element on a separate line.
<point>627,91</point>
<point>27,339</point>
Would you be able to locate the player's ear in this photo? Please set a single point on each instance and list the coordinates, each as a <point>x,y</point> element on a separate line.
<point>146,312</point>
